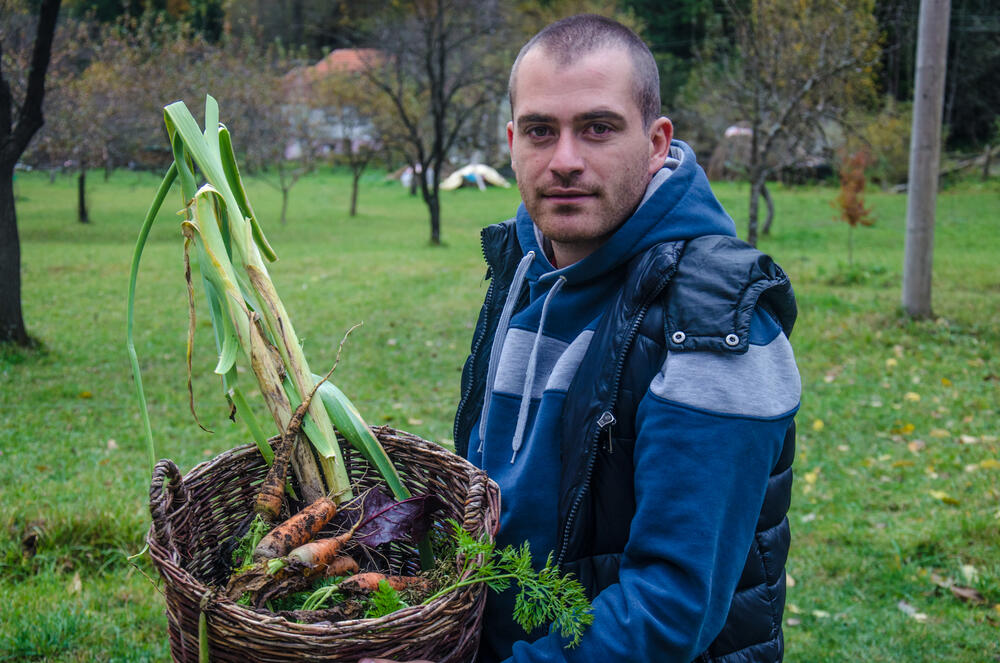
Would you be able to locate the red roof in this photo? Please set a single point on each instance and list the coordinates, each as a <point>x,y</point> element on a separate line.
<point>344,59</point>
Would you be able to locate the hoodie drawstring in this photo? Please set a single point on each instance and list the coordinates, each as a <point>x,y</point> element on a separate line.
<point>529,377</point>
<point>501,333</point>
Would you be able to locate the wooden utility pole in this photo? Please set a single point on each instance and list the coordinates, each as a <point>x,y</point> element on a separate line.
<point>925,156</point>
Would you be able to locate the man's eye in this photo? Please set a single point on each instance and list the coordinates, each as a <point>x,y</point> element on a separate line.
<point>600,129</point>
<point>538,132</point>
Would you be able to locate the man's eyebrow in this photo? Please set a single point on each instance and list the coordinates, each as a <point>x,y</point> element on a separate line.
<point>535,118</point>
<point>601,115</point>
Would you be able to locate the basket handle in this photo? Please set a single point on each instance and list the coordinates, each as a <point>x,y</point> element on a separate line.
<point>483,491</point>
<point>168,501</point>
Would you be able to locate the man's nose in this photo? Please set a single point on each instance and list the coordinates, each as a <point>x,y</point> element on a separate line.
<point>567,160</point>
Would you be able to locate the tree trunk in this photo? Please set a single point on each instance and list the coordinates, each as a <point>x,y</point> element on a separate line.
<point>434,206</point>
<point>14,140</point>
<point>850,246</point>
<point>755,185</point>
<point>81,194</point>
<point>925,156</point>
<point>284,203</point>
<point>354,193</point>
<point>11,318</point>
<point>770,208</point>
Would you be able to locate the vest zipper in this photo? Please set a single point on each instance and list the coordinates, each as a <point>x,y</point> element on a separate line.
<point>607,422</point>
<point>607,417</point>
<point>477,342</point>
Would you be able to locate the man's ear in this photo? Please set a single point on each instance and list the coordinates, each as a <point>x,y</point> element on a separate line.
<point>660,134</point>
<point>510,142</point>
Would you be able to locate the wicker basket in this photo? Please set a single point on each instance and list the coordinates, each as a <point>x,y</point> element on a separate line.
<point>192,535</point>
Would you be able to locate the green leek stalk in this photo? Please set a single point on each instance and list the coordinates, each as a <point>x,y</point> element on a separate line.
<point>248,318</point>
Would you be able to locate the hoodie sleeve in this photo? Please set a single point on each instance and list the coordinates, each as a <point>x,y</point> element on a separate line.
<point>709,431</point>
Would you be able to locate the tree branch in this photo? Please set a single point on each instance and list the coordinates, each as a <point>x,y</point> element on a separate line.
<point>29,116</point>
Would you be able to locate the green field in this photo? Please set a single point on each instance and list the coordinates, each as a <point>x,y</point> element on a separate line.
<point>897,496</point>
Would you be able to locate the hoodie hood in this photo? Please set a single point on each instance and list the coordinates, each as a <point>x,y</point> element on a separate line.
<point>684,209</point>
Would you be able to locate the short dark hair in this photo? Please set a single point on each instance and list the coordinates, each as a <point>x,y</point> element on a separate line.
<point>566,40</point>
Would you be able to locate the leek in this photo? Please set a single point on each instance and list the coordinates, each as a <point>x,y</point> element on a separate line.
<point>249,320</point>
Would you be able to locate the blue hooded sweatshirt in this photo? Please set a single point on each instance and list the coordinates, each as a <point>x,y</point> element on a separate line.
<point>709,431</point>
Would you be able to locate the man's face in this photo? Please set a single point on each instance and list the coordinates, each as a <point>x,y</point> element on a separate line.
<point>578,147</point>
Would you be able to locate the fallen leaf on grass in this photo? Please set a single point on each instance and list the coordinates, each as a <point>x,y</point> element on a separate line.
<point>944,583</point>
<point>817,425</point>
<point>794,609</point>
<point>945,382</point>
<point>911,611</point>
<point>112,444</point>
<point>970,573</point>
<point>912,396</point>
<point>944,497</point>
<point>75,585</point>
<point>820,614</point>
<point>990,464</point>
<point>967,594</point>
<point>789,580</point>
<point>968,439</point>
<point>793,621</point>
<point>939,432</point>
<point>85,394</point>
<point>916,446</point>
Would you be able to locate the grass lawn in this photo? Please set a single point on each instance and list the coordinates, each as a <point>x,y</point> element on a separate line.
<point>897,493</point>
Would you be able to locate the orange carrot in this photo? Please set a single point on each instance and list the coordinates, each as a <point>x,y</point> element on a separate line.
<point>368,582</point>
<point>319,554</point>
<point>297,530</point>
<point>342,565</point>
<point>272,491</point>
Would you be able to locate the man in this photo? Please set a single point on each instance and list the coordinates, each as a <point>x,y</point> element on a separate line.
<point>631,387</point>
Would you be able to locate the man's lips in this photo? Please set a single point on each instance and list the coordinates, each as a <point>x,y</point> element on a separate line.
<point>567,195</point>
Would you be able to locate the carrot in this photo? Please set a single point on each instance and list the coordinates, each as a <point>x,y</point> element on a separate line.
<point>319,554</point>
<point>297,530</point>
<point>272,491</point>
<point>368,582</point>
<point>342,565</point>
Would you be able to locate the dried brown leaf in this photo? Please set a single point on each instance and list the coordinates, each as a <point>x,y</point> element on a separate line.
<point>967,594</point>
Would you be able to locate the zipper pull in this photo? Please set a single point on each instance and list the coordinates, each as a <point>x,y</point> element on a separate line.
<point>607,421</point>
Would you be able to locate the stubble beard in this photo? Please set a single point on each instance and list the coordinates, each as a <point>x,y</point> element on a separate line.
<point>573,224</point>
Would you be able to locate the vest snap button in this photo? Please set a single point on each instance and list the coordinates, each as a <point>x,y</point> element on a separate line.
<point>732,340</point>
<point>678,337</point>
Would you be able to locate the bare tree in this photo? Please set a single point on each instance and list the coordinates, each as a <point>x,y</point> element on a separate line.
<point>441,65</point>
<point>793,71</point>
<point>286,130</point>
<point>356,114</point>
<point>14,138</point>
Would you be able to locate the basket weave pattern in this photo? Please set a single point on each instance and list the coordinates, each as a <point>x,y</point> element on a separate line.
<point>192,537</point>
